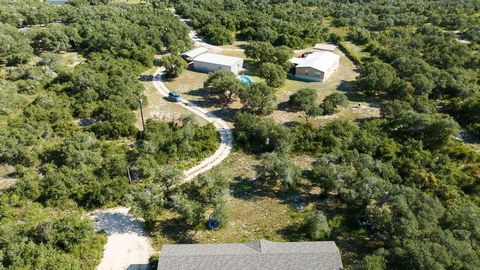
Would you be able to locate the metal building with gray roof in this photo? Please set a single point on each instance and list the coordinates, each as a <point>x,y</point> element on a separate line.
<point>260,254</point>
<point>210,62</point>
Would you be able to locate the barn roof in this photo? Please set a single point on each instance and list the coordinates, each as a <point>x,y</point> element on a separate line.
<point>192,53</point>
<point>217,59</point>
<point>325,47</point>
<point>321,61</point>
<point>260,254</point>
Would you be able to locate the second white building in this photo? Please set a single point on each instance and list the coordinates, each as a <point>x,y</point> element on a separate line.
<point>210,62</point>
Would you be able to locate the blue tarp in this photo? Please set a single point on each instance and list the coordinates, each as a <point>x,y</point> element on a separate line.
<point>246,80</point>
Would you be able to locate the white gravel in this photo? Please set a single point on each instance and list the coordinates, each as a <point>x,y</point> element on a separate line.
<point>128,246</point>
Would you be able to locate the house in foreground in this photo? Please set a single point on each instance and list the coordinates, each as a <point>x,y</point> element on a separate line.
<point>316,66</point>
<point>260,254</point>
<point>210,62</point>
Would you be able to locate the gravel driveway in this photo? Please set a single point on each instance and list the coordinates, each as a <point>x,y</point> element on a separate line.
<point>128,246</point>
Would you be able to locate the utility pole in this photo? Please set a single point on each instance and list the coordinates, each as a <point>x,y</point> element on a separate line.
<point>129,176</point>
<point>140,101</point>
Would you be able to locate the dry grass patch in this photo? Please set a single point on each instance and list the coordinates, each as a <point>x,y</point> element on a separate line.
<point>254,213</point>
<point>189,80</point>
<point>71,59</point>
<point>160,108</point>
<point>5,171</point>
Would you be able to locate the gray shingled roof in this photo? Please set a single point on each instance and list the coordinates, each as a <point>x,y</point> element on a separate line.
<point>260,254</point>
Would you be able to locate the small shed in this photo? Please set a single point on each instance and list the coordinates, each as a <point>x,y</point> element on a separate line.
<point>210,62</point>
<point>317,66</point>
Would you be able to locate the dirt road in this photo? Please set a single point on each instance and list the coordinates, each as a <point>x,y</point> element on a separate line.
<point>128,246</point>
<point>226,136</point>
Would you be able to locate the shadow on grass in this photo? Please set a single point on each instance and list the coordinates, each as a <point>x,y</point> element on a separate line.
<point>293,233</point>
<point>251,68</point>
<point>177,230</point>
<point>349,89</point>
<point>246,188</point>
<point>284,106</point>
<point>226,113</point>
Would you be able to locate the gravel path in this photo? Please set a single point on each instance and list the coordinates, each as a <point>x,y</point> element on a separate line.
<point>128,246</point>
<point>226,136</point>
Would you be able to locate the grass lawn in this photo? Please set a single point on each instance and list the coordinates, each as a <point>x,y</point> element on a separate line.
<point>266,213</point>
<point>254,214</point>
<point>235,49</point>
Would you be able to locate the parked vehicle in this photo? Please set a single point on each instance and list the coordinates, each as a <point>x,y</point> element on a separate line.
<point>174,96</point>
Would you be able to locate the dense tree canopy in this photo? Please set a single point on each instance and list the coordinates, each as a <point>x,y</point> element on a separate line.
<point>259,99</point>
<point>407,186</point>
<point>69,130</point>
<point>62,125</point>
<point>278,23</point>
<point>224,85</point>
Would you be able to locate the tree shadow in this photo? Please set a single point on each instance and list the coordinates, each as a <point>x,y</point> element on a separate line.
<point>225,113</point>
<point>207,100</point>
<point>293,233</point>
<point>349,89</point>
<point>285,106</point>
<point>251,68</point>
<point>199,92</point>
<point>177,230</point>
<point>245,188</point>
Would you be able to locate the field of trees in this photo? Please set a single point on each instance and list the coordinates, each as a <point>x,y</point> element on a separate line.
<point>400,191</point>
<point>69,130</point>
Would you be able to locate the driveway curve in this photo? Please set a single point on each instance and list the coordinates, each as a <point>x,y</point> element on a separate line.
<point>128,246</point>
<point>224,129</point>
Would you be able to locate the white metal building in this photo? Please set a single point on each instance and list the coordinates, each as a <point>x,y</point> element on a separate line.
<point>317,66</point>
<point>325,47</point>
<point>209,62</point>
<point>192,53</point>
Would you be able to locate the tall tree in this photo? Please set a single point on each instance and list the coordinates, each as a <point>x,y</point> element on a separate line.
<point>273,74</point>
<point>259,99</point>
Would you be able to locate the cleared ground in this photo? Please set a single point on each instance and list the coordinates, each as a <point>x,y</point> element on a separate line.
<point>253,214</point>
<point>70,59</point>
<point>128,245</point>
<point>260,212</point>
<point>5,179</point>
<point>158,107</point>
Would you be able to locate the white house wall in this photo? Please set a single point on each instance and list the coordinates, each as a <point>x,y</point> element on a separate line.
<point>211,67</point>
<point>300,73</point>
